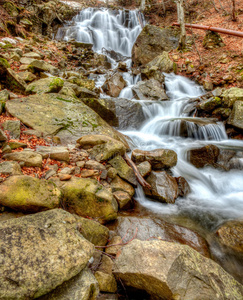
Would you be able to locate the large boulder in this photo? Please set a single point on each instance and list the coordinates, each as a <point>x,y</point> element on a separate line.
<point>150,89</point>
<point>40,252</point>
<point>155,68</point>
<point>102,147</point>
<point>171,271</point>
<point>158,158</point>
<point>29,194</point>
<point>146,228</point>
<point>87,197</point>
<point>231,95</point>
<point>236,116</point>
<point>83,286</point>
<point>205,156</point>
<point>151,42</point>
<point>45,85</point>
<point>118,112</point>
<point>59,115</point>
<point>114,84</point>
<point>164,187</point>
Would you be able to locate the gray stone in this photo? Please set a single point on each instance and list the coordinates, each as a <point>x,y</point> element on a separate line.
<point>26,60</point>
<point>150,90</point>
<point>231,95</point>
<point>236,116</point>
<point>54,152</point>
<point>13,128</point>
<point>32,55</point>
<point>45,85</point>
<point>14,81</point>
<point>92,164</point>
<point>114,85</point>
<point>51,251</point>
<point>27,76</point>
<point>144,168</point>
<point>29,158</point>
<point>10,168</point>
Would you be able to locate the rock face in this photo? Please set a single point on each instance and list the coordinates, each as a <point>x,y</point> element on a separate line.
<point>150,90</point>
<point>83,286</point>
<point>151,42</point>
<point>114,85</point>
<point>158,158</point>
<point>171,271</point>
<point>163,187</point>
<point>59,115</point>
<point>204,156</point>
<point>40,252</point>
<point>103,147</point>
<point>236,116</point>
<point>87,197</point>
<point>28,194</point>
<point>158,229</point>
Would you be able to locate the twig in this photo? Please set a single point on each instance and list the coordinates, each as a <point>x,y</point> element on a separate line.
<point>214,5</point>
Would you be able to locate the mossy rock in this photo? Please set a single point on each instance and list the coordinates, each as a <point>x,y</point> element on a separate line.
<point>4,65</point>
<point>12,9</point>
<point>45,85</point>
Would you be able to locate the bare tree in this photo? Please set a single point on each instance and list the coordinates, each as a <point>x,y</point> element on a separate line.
<point>142,5</point>
<point>181,21</point>
<point>233,11</point>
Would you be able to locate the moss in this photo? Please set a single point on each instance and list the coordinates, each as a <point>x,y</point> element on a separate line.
<point>4,63</point>
<point>56,82</point>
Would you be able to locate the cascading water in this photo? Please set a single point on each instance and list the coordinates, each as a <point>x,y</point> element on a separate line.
<point>215,195</point>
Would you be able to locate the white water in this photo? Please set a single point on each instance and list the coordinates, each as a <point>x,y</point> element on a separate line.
<point>215,195</point>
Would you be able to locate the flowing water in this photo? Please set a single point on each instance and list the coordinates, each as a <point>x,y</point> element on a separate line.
<point>215,195</point>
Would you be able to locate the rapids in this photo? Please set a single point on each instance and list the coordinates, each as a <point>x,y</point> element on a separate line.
<point>216,195</point>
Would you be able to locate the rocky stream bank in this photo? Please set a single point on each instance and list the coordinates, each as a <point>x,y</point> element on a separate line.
<point>67,223</point>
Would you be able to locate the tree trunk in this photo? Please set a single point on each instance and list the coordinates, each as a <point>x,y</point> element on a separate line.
<point>142,5</point>
<point>181,21</point>
<point>233,11</point>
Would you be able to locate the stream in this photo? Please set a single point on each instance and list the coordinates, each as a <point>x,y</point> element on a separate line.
<point>216,195</point>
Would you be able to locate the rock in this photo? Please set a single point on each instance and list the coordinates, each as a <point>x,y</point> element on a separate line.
<point>88,173</point>
<point>222,112</point>
<point>208,85</point>
<point>212,40</point>
<point>6,149</point>
<point>150,90</point>
<point>92,164</point>
<point>102,147</point>
<point>123,199</point>
<point>231,236</point>
<point>205,156</point>
<point>167,270</point>
<point>114,84</point>
<point>123,170</point>
<point>64,177</point>
<point>151,42</point>
<point>118,112</point>
<point>29,194</point>
<point>14,81</point>
<point>106,265</point>
<point>32,55</point>
<point>67,91</point>
<point>210,104</point>
<point>4,97</point>
<point>27,76</point>
<point>61,116</point>
<point>144,168</point>
<point>86,197</point>
<point>26,60</point>
<point>117,184</point>
<point>111,173</point>
<point>13,128</point>
<point>236,116</point>
<point>10,168</point>
<point>93,231</point>
<point>155,68</point>
<point>82,83</point>
<point>83,286</point>
<point>54,152</point>
<point>231,95</point>
<point>42,66</point>
<point>45,85</point>
<point>3,137</point>
<point>29,158</point>
<point>115,245</point>
<point>148,228</point>
<point>50,173</point>
<point>4,65</point>
<point>40,252</point>
<point>183,186</point>
<point>164,187</point>
<point>107,282</point>
<point>158,158</point>
<point>67,170</point>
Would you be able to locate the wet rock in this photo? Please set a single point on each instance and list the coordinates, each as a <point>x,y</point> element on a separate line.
<point>114,85</point>
<point>164,187</point>
<point>54,152</point>
<point>148,228</point>
<point>231,95</point>
<point>45,85</point>
<point>144,168</point>
<point>123,170</point>
<point>59,115</point>
<point>10,168</point>
<point>83,286</point>
<point>13,128</point>
<point>205,156</point>
<point>150,90</point>
<point>29,158</point>
<point>51,251</point>
<point>102,147</point>
<point>183,186</point>
<point>107,282</point>
<point>158,158</point>
<point>86,197</point>
<point>210,104</point>
<point>231,236</point>
<point>29,194</point>
<point>93,231</point>
<point>123,199</point>
<point>168,270</point>
<point>155,68</point>
<point>151,42</point>
<point>117,184</point>
<point>236,116</point>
